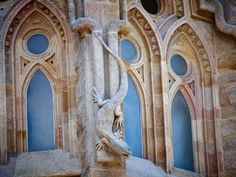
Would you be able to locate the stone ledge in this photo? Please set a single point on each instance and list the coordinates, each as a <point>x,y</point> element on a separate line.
<point>54,163</point>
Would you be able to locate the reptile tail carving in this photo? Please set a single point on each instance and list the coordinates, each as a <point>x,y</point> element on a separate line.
<point>123,88</point>
<point>108,110</point>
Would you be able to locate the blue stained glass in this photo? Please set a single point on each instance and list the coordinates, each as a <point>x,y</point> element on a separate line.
<point>128,50</point>
<point>37,43</point>
<point>182,133</point>
<point>178,65</point>
<point>132,120</point>
<point>40,113</point>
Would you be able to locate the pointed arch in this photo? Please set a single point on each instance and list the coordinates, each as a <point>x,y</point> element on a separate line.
<point>149,69</point>
<point>189,97</point>
<point>197,43</point>
<point>148,29</point>
<point>29,74</point>
<point>182,133</point>
<point>13,82</point>
<point>27,78</point>
<point>203,82</point>
<point>39,99</point>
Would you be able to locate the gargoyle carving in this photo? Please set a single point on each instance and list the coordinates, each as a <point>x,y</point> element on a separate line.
<point>109,117</point>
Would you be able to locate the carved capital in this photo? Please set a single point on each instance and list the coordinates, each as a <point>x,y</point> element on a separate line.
<point>85,25</point>
<point>121,27</point>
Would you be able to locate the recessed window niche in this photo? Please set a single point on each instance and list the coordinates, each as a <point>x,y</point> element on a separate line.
<point>151,6</point>
<point>37,43</point>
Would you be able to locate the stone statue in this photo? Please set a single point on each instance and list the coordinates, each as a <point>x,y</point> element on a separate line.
<point>110,108</point>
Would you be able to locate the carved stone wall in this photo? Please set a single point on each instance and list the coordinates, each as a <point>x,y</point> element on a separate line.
<point>76,62</point>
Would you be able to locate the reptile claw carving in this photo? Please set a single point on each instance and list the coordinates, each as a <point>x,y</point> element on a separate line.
<point>109,117</point>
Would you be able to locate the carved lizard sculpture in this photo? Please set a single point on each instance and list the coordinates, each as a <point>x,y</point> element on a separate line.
<point>110,108</point>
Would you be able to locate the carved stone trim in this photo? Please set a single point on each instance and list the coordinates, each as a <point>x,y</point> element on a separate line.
<point>195,40</point>
<point>24,12</point>
<point>179,5</point>
<point>122,27</point>
<point>84,24</point>
<point>138,17</point>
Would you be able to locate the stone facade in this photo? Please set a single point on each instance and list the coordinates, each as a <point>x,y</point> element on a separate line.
<point>83,55</point>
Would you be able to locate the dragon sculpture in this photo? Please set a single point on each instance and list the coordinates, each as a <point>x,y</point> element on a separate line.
<point>107,127</point>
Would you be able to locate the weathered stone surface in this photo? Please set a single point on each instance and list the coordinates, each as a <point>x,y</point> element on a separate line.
<point>46,163</point>
<point>138,167</point>
<point>9,169</point>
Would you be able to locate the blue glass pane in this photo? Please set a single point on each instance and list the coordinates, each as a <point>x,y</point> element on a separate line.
<point>37,43</point>
<point>128,50</point>
<point>40,113</point>
<point>178,65</point>
<point>182,133</point>
<point>132,120</point>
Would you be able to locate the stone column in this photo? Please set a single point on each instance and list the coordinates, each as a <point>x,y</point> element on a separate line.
<point>90,72</point>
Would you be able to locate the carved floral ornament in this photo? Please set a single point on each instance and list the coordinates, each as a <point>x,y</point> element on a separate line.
<point>195,40</point>
<point>139,18</point>
<point>24,13</point>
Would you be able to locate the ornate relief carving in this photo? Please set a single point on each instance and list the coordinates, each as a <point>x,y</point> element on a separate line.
<point>186,29</point>
<point>24,12</point>
<point>105,121</point>
<point>179,5</point>
<point>146,27</point>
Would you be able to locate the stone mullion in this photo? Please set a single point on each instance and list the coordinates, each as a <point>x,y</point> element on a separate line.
<point>209,125</point>
<point>150,124</point>
<point>3,116</point>
<point>158,113</point>
<point>217,117</point>
<point>166,115</point>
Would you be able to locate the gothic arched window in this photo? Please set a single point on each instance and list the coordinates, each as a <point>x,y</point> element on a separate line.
<point>40,113</point>
<point>182,133</point>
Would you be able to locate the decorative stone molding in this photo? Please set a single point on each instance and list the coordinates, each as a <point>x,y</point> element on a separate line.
<point>121,27</point>
<point>195,40</point>
<point>179,5</point>
<point>24,12</point>
<point>136,15</point>
<point>85,25</point>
